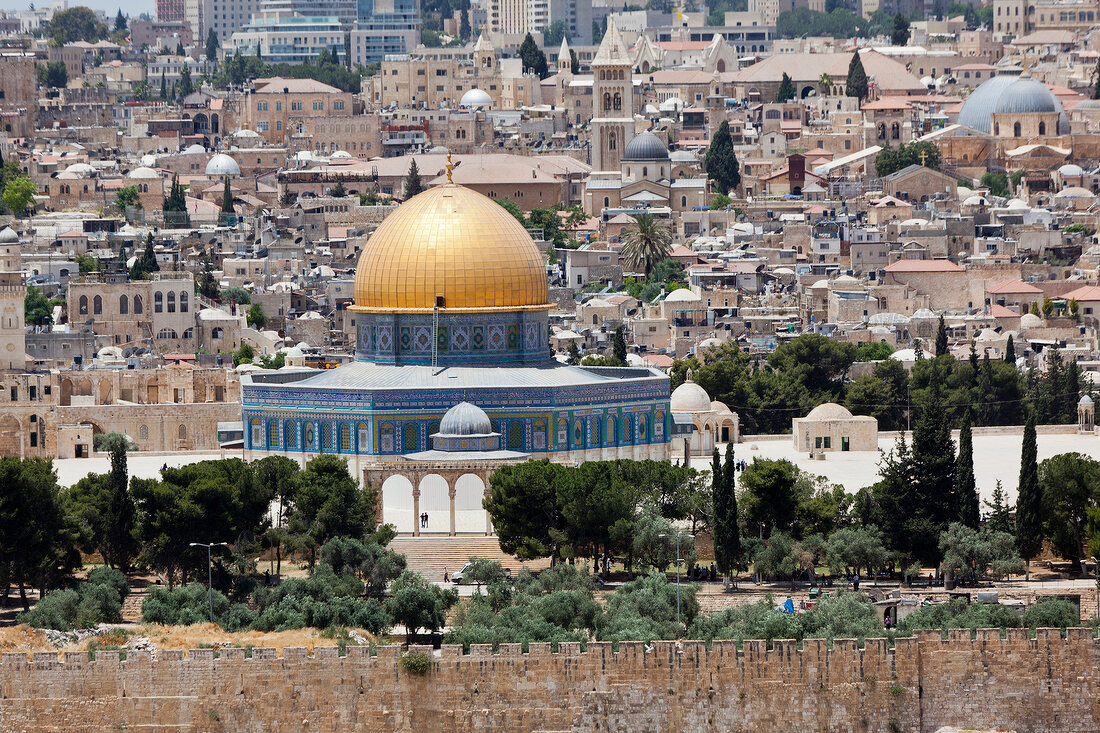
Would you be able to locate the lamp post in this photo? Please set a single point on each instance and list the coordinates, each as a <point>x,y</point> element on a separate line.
<point>210,571</point>
<point>1097,574</point>
<point>677,536</point>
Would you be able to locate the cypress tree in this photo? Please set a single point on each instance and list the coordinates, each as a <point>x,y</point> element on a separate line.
<point>786,90</point>
<point>618,346</point>
<point>163,85</point>
<point>856,84</point>
<point>227,199</point>
<point>721,161</point>
<point>965,488</point>
<point>413,186</point>
<point>1029,500</point>
<point>119,545</point>
<point>1071,380</point>
<point>727,540</point>
<point>941,338</point>
<point>1010,351</point>
<point>933,474</point>
<point>733,527</point>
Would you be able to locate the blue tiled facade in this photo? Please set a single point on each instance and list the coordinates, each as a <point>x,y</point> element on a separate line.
<point>498,339</point>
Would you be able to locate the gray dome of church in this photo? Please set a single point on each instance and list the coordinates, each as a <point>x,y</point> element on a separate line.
<point>1010,94</point>
<point>465,419</point>
<point>645,146</point>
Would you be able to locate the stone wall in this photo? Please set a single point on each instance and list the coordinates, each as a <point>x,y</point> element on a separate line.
<point>1017,683</point>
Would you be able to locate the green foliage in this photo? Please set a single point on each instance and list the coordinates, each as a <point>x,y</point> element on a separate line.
<point>786,91</point>
<point>645,609</point>
<point>38,309</point>
<point>174,207</point>
<point>212,45</point>
<point>667,275</point>
<point>966,489</point>
<point>237,295</point>
<point>1029,497</point>
<point>1051,613</point>
<point>653,543</point>
<point>726,529</point>
<point>238,69</point>
<point>768,494</point>
<point>556,224</point>
<point>554,33</point>
<point>856,83</point>
<point>76,24</point>
<point>534,60</point>
<point>244,355</point>
<point>147,263</point>
<point>974,551</point>
<point>483,572</point>
<point>97,600</point>
<point>720,201</point>
<point>899,36</point>
<point>119,545</point>
<point>256,317</point>
<point>416,663</point>
<point>182,606</point>
<point>413,185</point>
<point>852,549</point>
<point>1070,487</point>
<point>996,182</point>
<point>18,194</point>
<point>329,503</point>
<point>417,604</point>
<point>645,243</point>
<point>876,351</point>
<point>128,196</point>
<point>890,160</point>
<point>837,23</point>
<point>53,75</point>
<point>957,613</point>
<point>720,162</point>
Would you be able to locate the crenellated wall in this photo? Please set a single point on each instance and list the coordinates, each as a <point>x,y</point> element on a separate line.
<point>924,683</point>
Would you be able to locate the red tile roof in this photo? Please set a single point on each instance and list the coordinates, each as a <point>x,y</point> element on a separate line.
<point>1014,286</point>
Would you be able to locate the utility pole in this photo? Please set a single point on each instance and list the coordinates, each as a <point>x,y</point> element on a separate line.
<point>210,571</point>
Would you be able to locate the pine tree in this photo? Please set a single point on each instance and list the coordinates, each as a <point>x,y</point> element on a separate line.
<point>148,261</point>
<point>727,538</point>
<point>120,21</point>
<point>721,161</point>
<point>933,473</point>
<point>1029,500</point>
<point>185,80</point>
<point>179,49</point>
<point>574,353</point>
<point>208,285</point>
<point>618,346</point>
<point>899,36</point>
<point>413,186</point>
<point>999,518</point>
<point>119,544</point>
<point>212,45</point>
<point>786,90</point>
<point>856,85</point>
<point>163,85</point>
<point>965,488</point>
<point>1071,391</point>
<point>941,338</point>
<point>227,199</point>
<point>534,60</point>
<point>1010,351</point>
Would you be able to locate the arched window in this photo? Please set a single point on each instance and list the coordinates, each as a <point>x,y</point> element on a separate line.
<point>362,436</point>
<point>611,143</point>
<point>606,201</point>
<point>578,434</point>
<point>643,429</point>
<point>1015,129</point>
<point>410,438</point>
<point>645,171</point>
<point>189,333</point>
<point>183,301</point>
<point>158,302</point>
<point>217,333</point>
<point>515,435</point>
<point>618,102</point>
<point>882,131</point>
<point>290,434</point>
<point>123,305</point>
<point>1042,128</point>
<point>171,301</point>
<point>257,432</point>
<point>684,201</point>
<point>895,131</point>
<point>538,435</point>
<point>345,439</point>
<point>272,433</point>
<point>138,307</point>
<point>607,100</point>
<point>595,432</point>
<point>609,435</point>
<point>143,432</point>
<point>628,430</point>
<point>386,435</point>
<point>97,305</point>
<point>83,305</point>
<point>659,425</point>
<point>326,437</point>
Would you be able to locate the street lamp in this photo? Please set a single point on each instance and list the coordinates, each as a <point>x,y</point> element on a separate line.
<point>677,536</point>
<point>1097,574</point>
<point>209,571</point>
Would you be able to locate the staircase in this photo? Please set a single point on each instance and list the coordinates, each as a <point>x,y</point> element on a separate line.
<point>430,555</point>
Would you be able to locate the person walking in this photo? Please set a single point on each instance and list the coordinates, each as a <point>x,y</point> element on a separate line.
<point>855,582</point>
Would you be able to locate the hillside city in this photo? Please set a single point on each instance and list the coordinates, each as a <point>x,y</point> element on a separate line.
<point>530,325</point>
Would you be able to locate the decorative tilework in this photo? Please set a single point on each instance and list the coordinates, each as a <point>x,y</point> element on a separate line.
<point>460,338</point>
<point>442,340</point>
<point>477,338</point>
<point>496,337</point>
<point>385,338</point>
<point>405,339</point>
<point>531,336</point>
<point>422,339</point>
<point>513,338</point>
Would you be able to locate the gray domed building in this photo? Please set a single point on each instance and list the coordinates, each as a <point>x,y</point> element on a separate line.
<point>1014,105</point>
<point>644,183</point>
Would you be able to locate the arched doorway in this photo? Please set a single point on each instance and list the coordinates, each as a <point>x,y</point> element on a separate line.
<point>397,503</point>
<point>469,513</point>
<point>435,501</point>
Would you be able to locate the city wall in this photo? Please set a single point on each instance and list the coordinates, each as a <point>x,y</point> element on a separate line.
<point>924,683</point>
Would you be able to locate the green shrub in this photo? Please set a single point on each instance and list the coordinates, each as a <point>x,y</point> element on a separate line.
<point>183,605</point>
<point>416,663</point>
<point>57,610</point>
<point>1051,613</point>
<point>104,575</point>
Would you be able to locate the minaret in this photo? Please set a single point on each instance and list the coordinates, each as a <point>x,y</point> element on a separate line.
<point>13,293</point>
<point>485,56</point>
<point>565,64</point>
<point>612,101</point>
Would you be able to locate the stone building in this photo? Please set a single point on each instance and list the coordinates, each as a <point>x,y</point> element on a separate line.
<point>279,108</point>
<point>158,312</point>
<point>711,422</point>
<point>13,291</point>
<point>612,101</point>
<point>830,427</point>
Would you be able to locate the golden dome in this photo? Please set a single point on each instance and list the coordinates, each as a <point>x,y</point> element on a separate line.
<point>453,242</point>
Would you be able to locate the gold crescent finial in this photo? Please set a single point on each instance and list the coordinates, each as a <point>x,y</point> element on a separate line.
<point>450,167</point>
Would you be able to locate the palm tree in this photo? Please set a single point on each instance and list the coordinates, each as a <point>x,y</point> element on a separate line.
<point>646,243</point>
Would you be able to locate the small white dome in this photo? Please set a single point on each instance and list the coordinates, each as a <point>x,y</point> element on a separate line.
<point>690,397</point>
<point>143,173</point>
<point>1016,205</point>
<point>9,236</point>
<point>829,411</point>
<point>340,155</point>
<point>918,223</point>
<point>1071,170</point>
<point>246,133</point>
<point>149,160</point>
<point>1085,400</point>
<point>476,98</point>
<point>975,201</point>
<point>682,295</point>
<point>222,165</point>
<point>1030,320</point>
<point>820,285</point>
<point>465,419</point>
<point>194,149</point>
<point>80,170</point>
